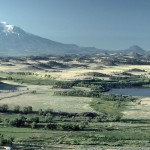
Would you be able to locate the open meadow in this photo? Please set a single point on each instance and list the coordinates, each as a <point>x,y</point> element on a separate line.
<point>63,105</point>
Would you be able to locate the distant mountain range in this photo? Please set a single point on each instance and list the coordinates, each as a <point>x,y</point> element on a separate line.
<point>133,49</point>
<point>14,41</point>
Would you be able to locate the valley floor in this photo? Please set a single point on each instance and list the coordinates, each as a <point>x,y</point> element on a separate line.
<point>117,125</point>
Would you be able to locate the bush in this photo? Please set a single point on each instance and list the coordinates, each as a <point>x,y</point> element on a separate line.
<point>6,141</point>
<point>18,122</point>
<point>51,126</point>
<point>47,111</point>
<point>48,118</point>
<point>4,108</point>
<point>40,111</point>
<point>33,125</point>
<point>73,127</point>
<point>6,122</point>
<point>34,119</point>
<point>17,109</point>
<point>27,110</point>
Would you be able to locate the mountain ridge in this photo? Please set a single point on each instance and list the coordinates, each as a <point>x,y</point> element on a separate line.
<point>14,41</point>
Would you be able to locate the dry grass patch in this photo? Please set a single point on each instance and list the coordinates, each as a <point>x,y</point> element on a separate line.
<point>138,110</point>
<point>44,100</point>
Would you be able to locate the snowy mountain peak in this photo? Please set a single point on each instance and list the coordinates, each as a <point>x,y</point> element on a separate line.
<point>14,41</point>
<point>6,28</point>
<point>4,22</point>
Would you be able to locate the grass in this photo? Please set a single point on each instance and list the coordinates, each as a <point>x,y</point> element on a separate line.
<point>30,79</point>
<point>108,107</point>
<point>46,100</point>
<point>98,133</point>
<point>136,110</point>
<point>121,136</point>
<point>73,73</point>
<point>69,74</point>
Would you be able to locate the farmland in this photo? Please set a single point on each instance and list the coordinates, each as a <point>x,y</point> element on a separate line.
<point>64,105</point>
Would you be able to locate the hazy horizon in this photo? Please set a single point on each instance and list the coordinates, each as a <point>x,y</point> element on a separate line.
<point>104,24</point>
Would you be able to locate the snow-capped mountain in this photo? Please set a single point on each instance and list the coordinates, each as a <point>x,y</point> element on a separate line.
<point>6,28</point>
<point>15,41</point>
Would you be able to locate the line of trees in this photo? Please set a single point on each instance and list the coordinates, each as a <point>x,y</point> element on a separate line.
<point>96,94</point>
<point>25,110</point>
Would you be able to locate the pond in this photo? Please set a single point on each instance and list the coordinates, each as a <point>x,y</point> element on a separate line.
<point>5,86</point>
<point>132,91</point>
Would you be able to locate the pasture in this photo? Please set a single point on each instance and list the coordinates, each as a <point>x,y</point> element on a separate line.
<point>36,89</point>
<point>138,110</point>
<point>45,100</point>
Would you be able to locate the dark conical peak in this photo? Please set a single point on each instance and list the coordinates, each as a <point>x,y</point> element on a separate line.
<point>135,49</point>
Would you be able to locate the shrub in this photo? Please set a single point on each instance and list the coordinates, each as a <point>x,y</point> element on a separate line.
<point>18,122</point>
<point>27,110</point>
<point>51,126</point>
<point>40,111</point>
<point>4,108</point>
<point>34,119</point>
<point>16,108</point>
<point>6,141</point>
<point>33,125</point>
<point>73,127</point>
<point>50,111</point>
<point>48,118</point>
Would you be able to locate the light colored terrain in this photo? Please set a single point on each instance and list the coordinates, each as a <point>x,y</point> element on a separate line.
<point>139,109</point>
<point>110,70</point>
<point>43,99</point>
<point>46,100</point>
<point>73,73</point>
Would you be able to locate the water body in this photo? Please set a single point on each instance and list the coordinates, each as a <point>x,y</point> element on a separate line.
<point>132,91</point>
<point>5,86</point>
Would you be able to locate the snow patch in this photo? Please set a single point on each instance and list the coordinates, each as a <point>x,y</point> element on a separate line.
<point>4,22</point>
<point>7,28</point>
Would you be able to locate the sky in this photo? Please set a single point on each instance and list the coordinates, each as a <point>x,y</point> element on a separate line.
<point>106,24</point>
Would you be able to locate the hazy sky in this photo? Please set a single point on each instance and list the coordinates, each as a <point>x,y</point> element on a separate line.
<point>109,24</point>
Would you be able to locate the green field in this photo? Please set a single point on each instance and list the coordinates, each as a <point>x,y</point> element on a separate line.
<point>44,100</point>
<point>77,122</point>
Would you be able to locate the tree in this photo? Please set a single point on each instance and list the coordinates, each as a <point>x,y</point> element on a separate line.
<point>48,118</point>
<point>6,122</point>
<point>1,139</point>
<point>51,126</point>
<point>35,119</point>
<point>33,125</point>
<point>16,108</point>
<point>47,111</point>
<point>27,110</point>
<point>18,122</point>
<point>4,108</point>
<point>40,112</point>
